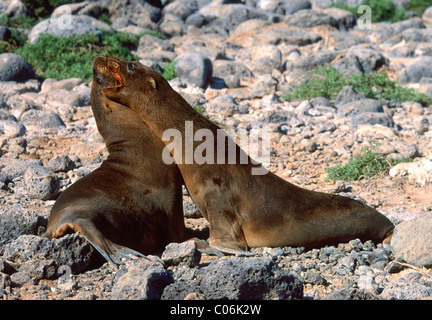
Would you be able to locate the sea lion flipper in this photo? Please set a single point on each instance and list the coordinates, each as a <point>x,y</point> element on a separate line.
<point>229,249</point>
<point>111,251</point>
<point>114,252</point>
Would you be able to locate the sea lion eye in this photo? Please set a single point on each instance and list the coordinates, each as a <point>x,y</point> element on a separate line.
<point>131,66</point>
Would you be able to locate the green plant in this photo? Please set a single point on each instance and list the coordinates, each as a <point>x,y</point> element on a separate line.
<point>365,165</point>
<point>66,57</point>
<point>43,8</point>
<point>22,21</point>
<point>327,82</point>
<point>16,40</point>
<point>381,10</point>
<point>169,72</point>
<point>419,5</point>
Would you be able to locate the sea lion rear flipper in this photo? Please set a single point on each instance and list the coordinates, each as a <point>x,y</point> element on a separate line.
<point>227,250</point>
<point>111,251</point>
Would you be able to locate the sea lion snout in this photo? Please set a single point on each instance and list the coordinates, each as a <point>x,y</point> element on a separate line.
<point>99,65</point>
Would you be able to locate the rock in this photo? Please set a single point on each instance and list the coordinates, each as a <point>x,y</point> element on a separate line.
<point>370,59</point>
<point>15,168</point>
<point>266,59</point>
<point>140,279</point>
<point>418,172</point>
<point>377,130</point>
<point>17,221</point>
<point>222,105</point>
<point>194,68</point>
<point>279,33</point>
<point>18,104</point>
<point>231,72</point>
<point>72,251</point>
<point>39,269</point>
<point>407,290</point>
<point>348,94</point>
<point>372,118</point>
<point>41,183</point>
<point>179,290</point>
<point>11,129</point>
<point>185,253</point>
<point>61,163</point>
<point>412,241</point>
<point>238,278</point>
<point>42,120</point>
<point>351,294</point>
<point>356,107</point>
<point>348,65</point>
<point>15,68</point>
<point>427,17</point>
<point>51,85</point>
<point>72,8</point>
<point>67,26</point>
<point>15,8</point>
<point>142,13</point>
<point>310,18</point>
<point>417,71</point>
<point>283,7</point>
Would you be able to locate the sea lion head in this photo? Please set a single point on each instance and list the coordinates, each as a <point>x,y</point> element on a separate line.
<point>131,77</point>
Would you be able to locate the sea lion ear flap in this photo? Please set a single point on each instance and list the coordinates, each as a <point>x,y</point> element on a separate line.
<point>153,83</point>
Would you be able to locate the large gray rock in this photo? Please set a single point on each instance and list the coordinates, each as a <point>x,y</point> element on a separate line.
<point>42,120</point>
<point>412,241</point>
<point>185,253</point>
<point>141,279</point>
<point>310,18</point>
<point>15,68</point>
<point>194,68</point>
<point>16,221</point>
<point>67,26</point>
<point>237,278</point>
<point>353,108</point>
<point>417,70</point>
<point>41,183</point>
<point>72,251</point>
<point>142,13</point>
<point>11,129</point>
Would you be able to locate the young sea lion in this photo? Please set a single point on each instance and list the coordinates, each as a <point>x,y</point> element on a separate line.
<point>244,210</point>
<point>133,200</point>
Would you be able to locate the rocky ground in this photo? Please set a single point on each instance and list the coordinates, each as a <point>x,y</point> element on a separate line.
<point>245,57</point>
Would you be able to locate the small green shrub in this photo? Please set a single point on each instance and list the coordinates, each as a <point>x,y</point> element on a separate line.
<point>22,21</point>
<point>16,40</point>
<point>327,82</point>
<point>169,72</point>
<point>365,165</point>
<point>67,57</point>
<point>381,10</point>
<point>386,10</point>
<point>44,8</point>
<point>419,5</point>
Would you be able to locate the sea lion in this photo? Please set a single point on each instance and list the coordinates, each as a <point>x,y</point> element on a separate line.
<point>244,210</point>
<point>133,200</point>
